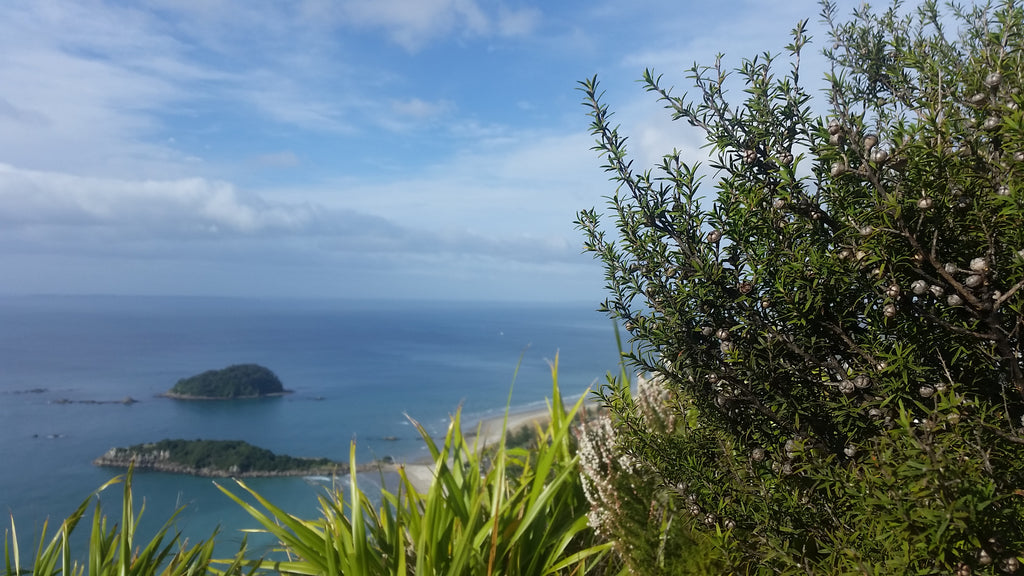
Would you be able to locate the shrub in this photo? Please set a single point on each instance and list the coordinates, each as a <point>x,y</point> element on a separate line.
<point>839,320</point>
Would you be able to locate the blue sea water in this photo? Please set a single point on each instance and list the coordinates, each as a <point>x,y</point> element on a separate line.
<point>356,369</point>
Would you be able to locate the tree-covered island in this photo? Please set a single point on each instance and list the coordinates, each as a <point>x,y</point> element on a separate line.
<point>216,458</point>
<point>237,381</point>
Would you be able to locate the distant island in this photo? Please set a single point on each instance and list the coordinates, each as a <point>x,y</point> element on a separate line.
<point>238,381</point>
<point>216,458</point>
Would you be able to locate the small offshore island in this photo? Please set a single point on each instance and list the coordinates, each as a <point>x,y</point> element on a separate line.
<point>216,458</point>
<point>234,382</point>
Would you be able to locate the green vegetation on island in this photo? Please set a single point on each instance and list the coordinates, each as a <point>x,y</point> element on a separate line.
<point>215,458</point>
<point>237,381</point>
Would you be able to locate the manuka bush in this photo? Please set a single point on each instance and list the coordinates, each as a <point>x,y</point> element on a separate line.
<point>839,317</point>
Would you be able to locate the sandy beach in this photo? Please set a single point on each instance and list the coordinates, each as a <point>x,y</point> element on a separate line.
<point>486,432</point>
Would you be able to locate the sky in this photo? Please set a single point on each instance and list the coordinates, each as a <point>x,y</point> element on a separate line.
<point>395,149</point>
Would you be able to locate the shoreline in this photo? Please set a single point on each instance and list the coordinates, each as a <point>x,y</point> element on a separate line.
<point>174,396</point>
<point>485,432</point>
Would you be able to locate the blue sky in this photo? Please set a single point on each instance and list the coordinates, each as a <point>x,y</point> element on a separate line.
<point>334,148</point>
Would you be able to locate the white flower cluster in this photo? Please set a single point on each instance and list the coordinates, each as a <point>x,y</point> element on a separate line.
<point>602,464</point>
<point>609,474</point>
<point>654,400</point>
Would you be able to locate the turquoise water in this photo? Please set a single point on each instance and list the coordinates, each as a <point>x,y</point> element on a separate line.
<point>356,368</point>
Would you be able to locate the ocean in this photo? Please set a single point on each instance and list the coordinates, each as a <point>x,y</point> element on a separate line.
<point>356,369</point>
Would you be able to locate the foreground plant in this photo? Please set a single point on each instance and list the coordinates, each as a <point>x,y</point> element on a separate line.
<point>840,319</point>
<point>476,517</point>
<point>114,550</point>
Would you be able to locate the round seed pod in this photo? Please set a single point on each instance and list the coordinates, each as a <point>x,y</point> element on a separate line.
<point>991,123</point>
<point>926,391</point>
<point>1018,156</point>
<point>707,330</point>
<point>710,520</point>
<point>950,268</point>
<point>834,127</point>
<point>979,265</point>
<point>850,450</point>
<point>875,414</point>
<point>836,139</point>
<point>974,280</point>
<point>765,303</point>
<point>954,300</point>
<point>919,287</point>
<point>978,99</point>
<point>862,382</point>
<point>778,204</point>
<point>729,524</point>
<point>889,311</point>
<point>869,142</point>
<point>879,156</point>
<point>1002,190</point>
<point>786,159</point>
<point>757,454</point>
<point>993,80</point>
<point>838,169</point>
<point>749,156</point>
<point>722,334</point>
<point>984,558</point>
<point>925,203</point>
<point>936,290</point>
<point>847,386</point>
<point>1010,565</point>
<point>714,236</point>
<point>893,291</point>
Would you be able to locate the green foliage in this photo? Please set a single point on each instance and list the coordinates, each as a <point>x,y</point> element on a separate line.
<point>474,519</point>
<point>114,550</point>
<point>237,381</point>
<point>840,319</point>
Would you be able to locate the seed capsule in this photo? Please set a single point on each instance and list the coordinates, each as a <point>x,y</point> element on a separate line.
<point>862,382</point>
<point>924,203</point>
<point>850,450</point>
<point>722,334</point>
<point>847,387</point>
<point>936,291</point>
<point>889,311</point>
<point>714,236</point>
<point>993,79</point>
<point>1003,190</point>
<point>1018,156</point>
<point>838,169</point>
<point>707,330</point>
<point>778,204</point>
<point>991,123</point>
<point>757,455</point>
<point>835,139</point>
<point>983,558</point>
<point>1010,565</point>
<point>893,291</point>
<point>978,99</point>
<point>834,127</point>
<point>950,268</point>
<point>926,391</point>
<point>973,281</point>
<point>729,524</point>
<point>875,414</point>
<point>786,159</point>
<point>979,265</point>
<point>879,156</point>
<point>919,287</point>
<point>749,156</point>
<point>954,300</point>
<point>869,142</point>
